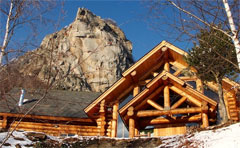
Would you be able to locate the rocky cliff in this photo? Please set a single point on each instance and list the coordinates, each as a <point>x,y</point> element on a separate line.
<point>88,55</point>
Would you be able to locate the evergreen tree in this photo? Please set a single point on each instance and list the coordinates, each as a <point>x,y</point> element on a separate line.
<point>209,58</point>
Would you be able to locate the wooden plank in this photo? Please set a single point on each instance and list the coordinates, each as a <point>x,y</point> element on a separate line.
<point>154,104</point>
<point>151,113</point>
<point>179,102</point>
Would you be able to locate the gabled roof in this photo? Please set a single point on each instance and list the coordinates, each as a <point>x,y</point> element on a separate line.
<point>142,69</point>
<point>156,85</point>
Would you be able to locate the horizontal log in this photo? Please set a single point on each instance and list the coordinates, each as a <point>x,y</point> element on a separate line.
<point>87,120</point>
<point>69,130</point>
<point>59,131</point>
<point>53,125</point>
<point>194,78</point>
<point>150,113</point>
<point>195,118</point>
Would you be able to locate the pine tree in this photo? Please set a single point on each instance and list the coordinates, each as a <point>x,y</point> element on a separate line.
<point>213,58</point>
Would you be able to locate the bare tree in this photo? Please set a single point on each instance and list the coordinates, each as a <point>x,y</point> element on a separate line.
<point>181,20</point>
<point>22,17</point>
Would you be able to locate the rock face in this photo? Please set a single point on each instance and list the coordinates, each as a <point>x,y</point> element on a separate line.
<point>88,55</point>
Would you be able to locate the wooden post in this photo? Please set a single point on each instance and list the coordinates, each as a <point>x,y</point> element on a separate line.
<point>166,98</point>
<point>131,122</point>
<point>103,118</point>
<point>136,132</point>
<point>199,86</point>
<point>4,123</point>
<point>205,122</point>
<point>166,65</point>
<point>114,120</point>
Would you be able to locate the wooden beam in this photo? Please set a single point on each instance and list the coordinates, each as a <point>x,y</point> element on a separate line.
<point>106,94</point>
<point>151,113</point>
<point>154,68</point>
<point>162,120</point>
<point>166,98</point>
<point>134,76</point>
<point>154,104</point>
<point>167,66</point>
<point>179,102</point>
<point>155,93</point>
<point>114,120</point>
<point>199,85</point>
<point>144,82</point>
<point>185,78</point>
<point>182,93</point>
<point>178,72</point>
<point>136,90</point>
<point>131,122</point>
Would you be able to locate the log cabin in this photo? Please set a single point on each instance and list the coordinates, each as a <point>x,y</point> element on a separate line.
<point>160,91</point>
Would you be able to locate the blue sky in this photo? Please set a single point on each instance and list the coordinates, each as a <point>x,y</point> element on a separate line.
<point>130,16</point>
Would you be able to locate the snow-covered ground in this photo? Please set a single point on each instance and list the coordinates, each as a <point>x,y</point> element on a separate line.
<point>226,137</point>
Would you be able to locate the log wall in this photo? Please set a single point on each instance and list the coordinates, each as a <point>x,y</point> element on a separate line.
<point>56,129</point>
<point>169,129</point>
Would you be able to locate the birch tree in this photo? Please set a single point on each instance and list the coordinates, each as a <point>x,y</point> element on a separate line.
<point>234,31</point>
<point>22,17</point>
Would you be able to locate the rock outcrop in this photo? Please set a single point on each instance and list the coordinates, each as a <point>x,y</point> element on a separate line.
<point>88,55</point>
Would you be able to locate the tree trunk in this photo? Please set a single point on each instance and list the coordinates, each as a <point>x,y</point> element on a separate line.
<point>5,40</point>
<point>222,112</point>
